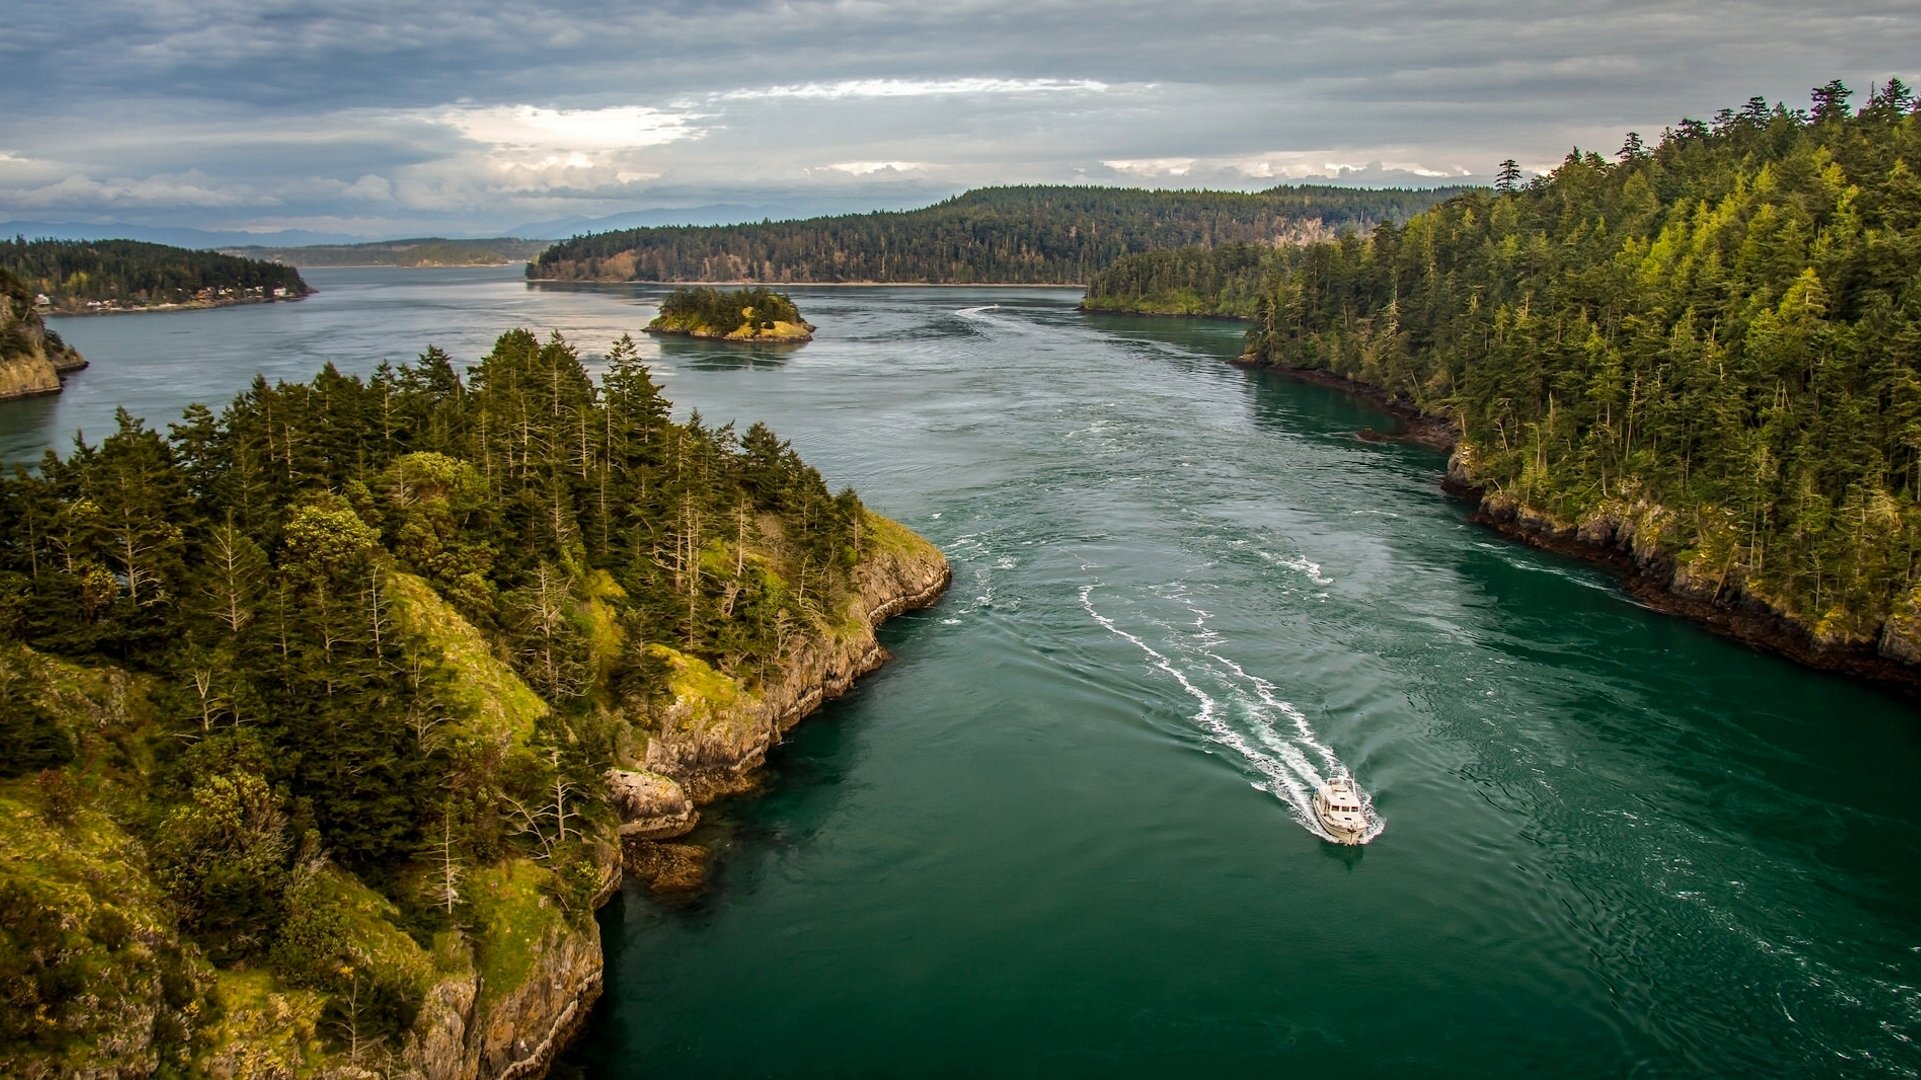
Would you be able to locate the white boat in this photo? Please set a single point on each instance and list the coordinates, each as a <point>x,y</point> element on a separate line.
<point>1338,804</point>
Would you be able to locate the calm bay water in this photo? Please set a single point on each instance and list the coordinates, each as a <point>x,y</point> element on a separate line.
<point>1061,834</point>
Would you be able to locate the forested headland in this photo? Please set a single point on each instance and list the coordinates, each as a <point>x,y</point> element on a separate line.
<point>1704,351</point>
<point>1035,235</point>
<point>424,252</point>
<point>731,315</point>
<point>80,276</point>
<point>310,703</point>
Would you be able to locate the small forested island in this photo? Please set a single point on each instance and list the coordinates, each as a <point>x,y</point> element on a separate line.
<point>32,358</point>
<point>1700,359</point>
<point>1032,235</point>
<point>424,252</point>
<point>731,315</point>
<point>331,716</point>
<point>81,277</point>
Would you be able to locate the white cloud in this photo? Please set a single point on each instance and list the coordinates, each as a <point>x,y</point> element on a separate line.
<point>1154,166</point>
<point>868,168</point>
<point>532,128</point>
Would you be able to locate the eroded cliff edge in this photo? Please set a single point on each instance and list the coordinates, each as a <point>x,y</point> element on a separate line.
<point>32,357</point>
<point>714,735</point>
<point>707,742</point>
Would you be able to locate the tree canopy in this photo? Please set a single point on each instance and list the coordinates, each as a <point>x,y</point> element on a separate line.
<point>394,628</point>
<point>1712,342</point>
<point>1019,235</point>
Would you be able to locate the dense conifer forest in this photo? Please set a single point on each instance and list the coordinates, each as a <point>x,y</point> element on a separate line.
<point>133,274</point>
<point>1708,346</point>
<point>1020,235</point>
<point>346,658</point>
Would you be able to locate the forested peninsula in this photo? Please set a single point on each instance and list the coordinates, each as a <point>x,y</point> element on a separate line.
<point>79,277</point>
<point>332,715</point>
<point>732,315</point>
<point>1036,235</point>
<point>33,359</point>
<point>1701,358</point>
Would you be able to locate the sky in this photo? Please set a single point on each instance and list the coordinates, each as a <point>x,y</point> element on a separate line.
<point>461,117</point>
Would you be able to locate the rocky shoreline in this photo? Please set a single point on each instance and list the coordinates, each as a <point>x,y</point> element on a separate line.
<point>781,334</point>
<point>33,359</point>
<point>1648,573</point>
<point>700,755</point>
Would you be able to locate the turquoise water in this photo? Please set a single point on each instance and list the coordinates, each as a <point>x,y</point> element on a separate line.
<point>1061,834</point>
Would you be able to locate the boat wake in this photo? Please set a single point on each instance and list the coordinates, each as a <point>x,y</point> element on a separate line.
<point>1239,711</point>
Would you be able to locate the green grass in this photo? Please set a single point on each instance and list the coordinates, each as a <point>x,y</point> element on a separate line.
<point>489,697</point>
<point>512,917</point>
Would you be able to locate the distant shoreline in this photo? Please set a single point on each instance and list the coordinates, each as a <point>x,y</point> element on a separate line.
<point>403,266</point>
<point>191,305</point>
<point>832,284</point>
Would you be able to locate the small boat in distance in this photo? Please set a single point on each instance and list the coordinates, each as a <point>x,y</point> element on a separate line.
<point>1338,804</point>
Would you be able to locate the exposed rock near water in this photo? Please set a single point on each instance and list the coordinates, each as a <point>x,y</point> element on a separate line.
<point>472,1031</point>
<point>32,358</point>
<point>709,748</point>
<point>651,806</point>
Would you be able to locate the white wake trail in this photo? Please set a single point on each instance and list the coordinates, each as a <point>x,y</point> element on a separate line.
<point>1282,739</point>
<point>1287,775</point>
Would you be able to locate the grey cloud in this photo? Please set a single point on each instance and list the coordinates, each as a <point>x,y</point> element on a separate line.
<point>290,112</point>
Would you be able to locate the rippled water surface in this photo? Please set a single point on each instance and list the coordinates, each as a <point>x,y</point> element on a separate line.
<point>1063,833</point>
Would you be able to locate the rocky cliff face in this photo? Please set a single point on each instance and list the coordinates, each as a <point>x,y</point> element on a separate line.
<point>717,733</point>
<point>32,358</point>
<point>1631,536</point>
<point>470,1031</point>
<point>711,752</point>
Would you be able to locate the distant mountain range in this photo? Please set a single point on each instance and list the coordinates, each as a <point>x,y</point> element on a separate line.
<point>554,229</point>
<point>169,235</point>
<point>421,252</point>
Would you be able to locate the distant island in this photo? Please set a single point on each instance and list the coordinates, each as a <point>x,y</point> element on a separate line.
<point>422,252</point>
<point>739,315</point>
<point>83,277</point>
<point>1034,235</point>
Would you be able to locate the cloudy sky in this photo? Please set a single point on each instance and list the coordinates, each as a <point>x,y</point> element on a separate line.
<point>387,118</point>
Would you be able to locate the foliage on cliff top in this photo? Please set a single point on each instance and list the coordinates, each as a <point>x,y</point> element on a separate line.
<point>1722,328</point>
<point>1026,235</point>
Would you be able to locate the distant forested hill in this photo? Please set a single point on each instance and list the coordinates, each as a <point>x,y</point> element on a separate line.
<point>1226,280</point>
<point>1024,235</point>
<point>421,252</point>
<point>1706,351</point>
<point>78,275</point>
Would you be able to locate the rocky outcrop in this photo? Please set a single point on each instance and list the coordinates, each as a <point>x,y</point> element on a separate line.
<point>471,1031</point>
<point>710,746</point>
<point>32,358</point>
<point>651,806</point>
